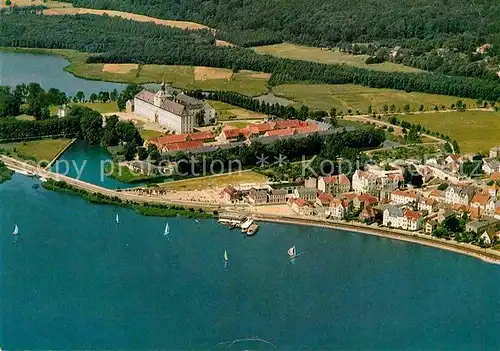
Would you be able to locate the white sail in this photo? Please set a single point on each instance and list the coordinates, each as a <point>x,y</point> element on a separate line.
<point>16,230</point>
<point>167,230</point>
<point>117,219</point>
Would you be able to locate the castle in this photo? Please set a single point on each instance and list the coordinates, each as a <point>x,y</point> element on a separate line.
<point>176,112</point>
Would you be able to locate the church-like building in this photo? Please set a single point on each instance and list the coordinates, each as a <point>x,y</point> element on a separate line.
<point>176,112</point>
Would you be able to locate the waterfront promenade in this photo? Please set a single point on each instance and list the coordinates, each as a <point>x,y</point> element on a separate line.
<point>488,255</point>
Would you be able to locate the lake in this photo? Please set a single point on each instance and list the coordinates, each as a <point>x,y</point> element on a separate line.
<point>88,161</point>
<point>77,280</point>
<point>48,71</point>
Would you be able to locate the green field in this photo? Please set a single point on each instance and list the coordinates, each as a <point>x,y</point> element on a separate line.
<point>226,112</point>
<point>102,107</point>
<point>475,131</point>
<point>36,150</point>
<point>149,134</point>
<point>356,97</point>
<point>306,53</point>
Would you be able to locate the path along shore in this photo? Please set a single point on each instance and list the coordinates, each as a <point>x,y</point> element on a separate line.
<point>487,255</point>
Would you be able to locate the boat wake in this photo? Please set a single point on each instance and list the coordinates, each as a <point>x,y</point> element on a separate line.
<point>254,339</point>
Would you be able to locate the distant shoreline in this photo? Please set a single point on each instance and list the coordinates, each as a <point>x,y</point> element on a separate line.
<point>469,250</point>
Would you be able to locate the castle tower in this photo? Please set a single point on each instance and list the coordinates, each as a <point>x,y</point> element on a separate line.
<point>161,96</point>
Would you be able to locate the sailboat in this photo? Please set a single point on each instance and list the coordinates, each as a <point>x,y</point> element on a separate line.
<point>117,219</point>
<point>225,258</point>
<point>16,230</point>
<point>292,252</point>
<point>167,230</point>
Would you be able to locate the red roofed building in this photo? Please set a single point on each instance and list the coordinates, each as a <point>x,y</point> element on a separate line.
<point>427,204</point>
<point>495,176</point>
<point>367,214</point>
<point>310,128</point>
<point>185,146</point>
<point>261,128</point>
<point>324,199</point>
<point>230,194</point>
<point>412,220</point>
<point>301,207</point>
<point>403,197</point>
<point>336,184</point>
<point>365,200</point>
<point>229,135</point>
<point>205,137</point>
<point>289,123</point>
<point>338,208</point>
<point>280,132</point>
<point>478,204</point>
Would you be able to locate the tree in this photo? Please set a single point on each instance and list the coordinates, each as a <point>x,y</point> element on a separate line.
<point>130,150</point>
<point>390,129</point>
<point>333,112</point>
<point>142,153</point>
<point>421,108</point>
<point>370,109</point>
<point>456,147</point>
<point>93,97</point>
<point>80,96</point>
<point>451,224</point>
<point>151,148</point>
<point>155,156</point>
<point>386,108</point>
<point>90,123</point>
<point>113,96</point>
<point>392,108</point>
<point>406,108</point>
<point>8,3</point>
<point>442,186</point>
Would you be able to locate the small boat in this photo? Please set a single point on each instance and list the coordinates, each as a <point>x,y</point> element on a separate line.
<point>167,230</point>
<point>246,225</point>
<point>292,252</point>
<point>117,219</point>
<point>253,229</point>
<point>197,220</point>
<point>16,230</point>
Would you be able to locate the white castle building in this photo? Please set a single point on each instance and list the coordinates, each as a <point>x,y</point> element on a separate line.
<point>175,112</point>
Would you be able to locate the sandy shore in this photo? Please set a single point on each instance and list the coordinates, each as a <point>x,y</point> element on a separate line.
<point>485,255</point>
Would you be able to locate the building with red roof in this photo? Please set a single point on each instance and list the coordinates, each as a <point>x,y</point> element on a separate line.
<point>324,199</point>
<point>335,184</point>
<point>280,132</point>
<point>205,137</point>
<point>413,220</point>
<point>403,197</point>
<point>185,146</point>
<point>301,207</point>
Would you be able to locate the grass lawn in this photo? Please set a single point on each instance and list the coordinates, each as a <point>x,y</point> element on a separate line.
<point>36,150</point>
<point>217,181</point>
<point>51,4</point>
<point>238,124</point>
<point>123,174</point>
<point>149,134</point>
<point>357,97</point>
<point>475,131</point>
<point>101,107</point>
<point>226,111</point>
<point>306,53</point>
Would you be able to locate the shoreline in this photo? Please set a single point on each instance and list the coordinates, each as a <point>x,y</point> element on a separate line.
<point>451,246</point>
<point>486,255</point>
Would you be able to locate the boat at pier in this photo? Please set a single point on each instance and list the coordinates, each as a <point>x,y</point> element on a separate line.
<point>252,229</point>
<point>246,225</point>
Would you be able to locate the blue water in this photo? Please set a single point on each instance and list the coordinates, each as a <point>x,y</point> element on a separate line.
<point>76,280</point>
<point>88,163</point>
<point>48,71</point>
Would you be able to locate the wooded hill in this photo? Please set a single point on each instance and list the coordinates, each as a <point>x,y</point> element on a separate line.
<point>326,22</point>
<point>115,40</point>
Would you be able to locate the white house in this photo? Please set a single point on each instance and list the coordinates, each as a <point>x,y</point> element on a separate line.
<point>364,182</point>
<point>338,208</point>
<point>458,195</point>
<point>495,152</point>
<point>427,204</point>
<point>413,220</point>
<point>490,166</point>
<point>401,197</point>
<point>392,217</point>
<point>485,237</point>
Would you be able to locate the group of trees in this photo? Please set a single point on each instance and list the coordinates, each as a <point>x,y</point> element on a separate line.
<point>325,23</point>
<point>343,146</point>
<point>29,99</point>
<point>123,41</point>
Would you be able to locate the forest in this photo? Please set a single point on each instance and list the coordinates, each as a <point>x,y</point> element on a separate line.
<point>325,22</point>
<point>115,40</point>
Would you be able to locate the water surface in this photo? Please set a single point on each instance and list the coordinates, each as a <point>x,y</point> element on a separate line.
<point>48,71</point>
<point>76,280</point>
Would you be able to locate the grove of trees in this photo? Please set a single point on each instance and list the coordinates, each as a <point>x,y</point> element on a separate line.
<point>124,41</point>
